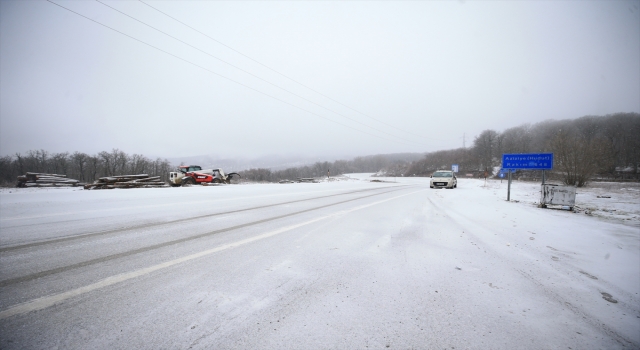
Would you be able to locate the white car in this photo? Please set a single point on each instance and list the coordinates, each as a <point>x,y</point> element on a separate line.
<point>443,178</point>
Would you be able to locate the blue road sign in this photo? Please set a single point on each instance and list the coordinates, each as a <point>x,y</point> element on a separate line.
<point>532,161</point>
<point>454,168</point>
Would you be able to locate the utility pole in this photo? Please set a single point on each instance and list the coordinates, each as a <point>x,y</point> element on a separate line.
<point>464,148</point>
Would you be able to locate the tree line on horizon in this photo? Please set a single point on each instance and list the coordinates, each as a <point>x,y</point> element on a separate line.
<point>366,164</point>
<point>88,168</point>
<point>606,147</point>
<point>583,148</point>
<point>81,166</point>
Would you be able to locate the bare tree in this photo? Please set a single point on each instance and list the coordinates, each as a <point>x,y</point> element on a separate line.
<point>93,167</point>
<point>20,163</point>
<point>485,146</point>
<point>577,156</point>
<point>108,162</point>
<point>120,160</point>
<point>516,140</point>
<point>79,161</point>
<point>139,164</point>
<point>7,171</point>
<point>59,163</point>
<point>37,161</point>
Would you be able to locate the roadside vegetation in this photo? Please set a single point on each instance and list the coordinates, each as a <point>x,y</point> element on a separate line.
<point>81,166</point>
<point>587,148</point>
<point>591,147</point>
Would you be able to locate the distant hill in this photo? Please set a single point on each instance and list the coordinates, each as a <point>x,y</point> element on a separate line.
<point>371,163</point>
<point>275,162</point>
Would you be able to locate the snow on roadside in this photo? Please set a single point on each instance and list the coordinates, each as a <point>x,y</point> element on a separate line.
<point>611,201</point>
<point>589,263</point>
<point>616,202</point>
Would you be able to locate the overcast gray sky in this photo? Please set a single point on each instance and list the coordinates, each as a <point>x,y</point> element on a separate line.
<point>385,76</point>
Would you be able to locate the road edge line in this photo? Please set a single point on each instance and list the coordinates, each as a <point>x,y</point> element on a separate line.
<point>47,301</point>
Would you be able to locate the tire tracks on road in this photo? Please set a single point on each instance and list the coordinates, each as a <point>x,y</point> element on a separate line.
<point>16,280</point>
<point>50,300</point>
<point>144,226</point>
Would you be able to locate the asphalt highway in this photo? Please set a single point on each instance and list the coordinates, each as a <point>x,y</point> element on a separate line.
<point>297,266</point>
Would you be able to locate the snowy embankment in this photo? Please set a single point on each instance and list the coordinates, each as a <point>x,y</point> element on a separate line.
<point>617,202</point>
<point>337,264</point>
<point>576,257</point>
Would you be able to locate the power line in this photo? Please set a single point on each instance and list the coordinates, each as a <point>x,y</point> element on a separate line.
<point>275,71</point>
<point>222,76</point>
<point>257,77</point>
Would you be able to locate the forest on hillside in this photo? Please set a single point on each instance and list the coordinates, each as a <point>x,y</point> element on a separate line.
<point>591,147</point>
<point>606,147</point>
<point>603,147</point>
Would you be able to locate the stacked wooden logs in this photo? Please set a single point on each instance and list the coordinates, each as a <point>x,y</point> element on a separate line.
<point>126,181</point>
<point>45,180</point>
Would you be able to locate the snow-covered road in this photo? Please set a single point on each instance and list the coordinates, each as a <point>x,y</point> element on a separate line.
<point>345,264</point>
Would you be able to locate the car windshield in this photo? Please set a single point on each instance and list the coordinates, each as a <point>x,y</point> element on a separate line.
<point>442,174</point>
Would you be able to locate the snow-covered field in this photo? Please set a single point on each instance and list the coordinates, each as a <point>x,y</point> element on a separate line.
<point>340,264</point>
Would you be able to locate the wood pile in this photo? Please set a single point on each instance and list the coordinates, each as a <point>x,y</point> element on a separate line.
<point>45,180</point>
<point>126,181</point>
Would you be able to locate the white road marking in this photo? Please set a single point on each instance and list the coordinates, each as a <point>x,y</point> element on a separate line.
<point>47,301</point>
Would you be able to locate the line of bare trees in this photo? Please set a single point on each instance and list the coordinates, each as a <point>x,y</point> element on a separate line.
<point>319,169</point>
<point>81,166</point>
<point>605,147</point>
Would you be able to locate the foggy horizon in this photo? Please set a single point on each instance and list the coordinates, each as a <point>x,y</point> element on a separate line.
<point>309,79</point>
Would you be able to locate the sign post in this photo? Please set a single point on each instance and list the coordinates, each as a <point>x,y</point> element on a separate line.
<point>509,188</point>
<point>528,161</point>
<point>455,168</point>
<point>503,172</point>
